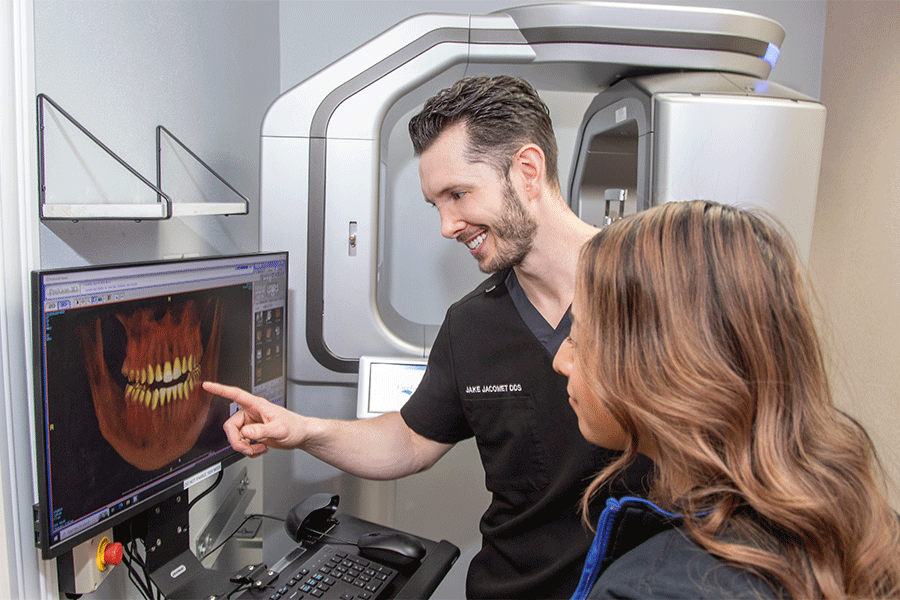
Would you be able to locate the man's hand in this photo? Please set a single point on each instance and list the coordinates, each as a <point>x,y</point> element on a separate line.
<point>382,447</point>
<point>259,424</point>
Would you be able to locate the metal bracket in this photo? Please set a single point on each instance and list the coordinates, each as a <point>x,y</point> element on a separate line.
<point>228,516</point>
<point>610,196</point>
<point>164,208</point>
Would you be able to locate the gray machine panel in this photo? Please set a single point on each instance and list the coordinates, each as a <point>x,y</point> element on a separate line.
<point>724,137</point>
<point>327,171</point>
<point>766,151</point>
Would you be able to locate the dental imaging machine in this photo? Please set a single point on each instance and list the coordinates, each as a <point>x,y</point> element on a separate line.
<point>651,104</point>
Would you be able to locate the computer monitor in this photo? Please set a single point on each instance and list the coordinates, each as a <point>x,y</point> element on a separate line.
<point>120,351</point>
<point>386,383</point>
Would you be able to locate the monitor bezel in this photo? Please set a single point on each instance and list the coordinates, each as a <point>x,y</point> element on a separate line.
<point>224,459</point>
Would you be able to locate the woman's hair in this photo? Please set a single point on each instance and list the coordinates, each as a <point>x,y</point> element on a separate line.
<point>694,329</point>
<point>501,114</point>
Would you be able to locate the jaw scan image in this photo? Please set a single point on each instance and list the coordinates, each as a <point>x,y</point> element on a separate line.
<point>144,367</point>
<point>124,402</point>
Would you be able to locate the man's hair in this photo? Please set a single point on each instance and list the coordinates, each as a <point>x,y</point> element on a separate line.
<point>501,114</point>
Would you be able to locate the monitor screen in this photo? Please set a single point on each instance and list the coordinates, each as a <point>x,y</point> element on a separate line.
<point>385,384</point>
<point>120,352</point>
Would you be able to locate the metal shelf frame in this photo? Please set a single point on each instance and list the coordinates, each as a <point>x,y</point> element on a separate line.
<point>164,208</point>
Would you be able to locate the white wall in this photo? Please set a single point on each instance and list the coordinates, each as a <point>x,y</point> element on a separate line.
<point>855,257</point>
<point>18,254</point>
<point>204,70</point>
<point>207,71</point>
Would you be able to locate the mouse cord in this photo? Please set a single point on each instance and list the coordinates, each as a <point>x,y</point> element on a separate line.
<point>331,538</point>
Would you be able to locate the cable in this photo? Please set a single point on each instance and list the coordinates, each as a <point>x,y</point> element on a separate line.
<point>233,533</point>
<point>240,588</point>
<point>134,576</point>
<point>140,579</point>
<point>131,558</point>
<point>214,485</point>
<point>334,540</point>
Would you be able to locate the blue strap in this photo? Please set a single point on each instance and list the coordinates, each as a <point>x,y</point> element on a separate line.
<point>595,555</point>
<point>594,559</point>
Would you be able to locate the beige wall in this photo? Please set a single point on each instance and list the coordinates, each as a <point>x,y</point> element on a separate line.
<point>855,256</point>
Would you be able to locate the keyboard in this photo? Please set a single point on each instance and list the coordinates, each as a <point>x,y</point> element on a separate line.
<point>331,573</point>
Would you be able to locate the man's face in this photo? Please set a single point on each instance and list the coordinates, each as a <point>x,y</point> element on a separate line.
<point>477,207</point>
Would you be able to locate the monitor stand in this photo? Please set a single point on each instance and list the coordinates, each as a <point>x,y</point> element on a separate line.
<point>171,564</point>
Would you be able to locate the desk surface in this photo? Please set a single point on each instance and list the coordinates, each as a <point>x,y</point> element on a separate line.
<point>413,582</point>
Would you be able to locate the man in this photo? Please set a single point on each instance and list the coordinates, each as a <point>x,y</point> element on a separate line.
<point>488,163</point>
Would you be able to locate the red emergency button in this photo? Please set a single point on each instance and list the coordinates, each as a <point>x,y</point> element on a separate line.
<point>113,554</point>
<point>108,553</point>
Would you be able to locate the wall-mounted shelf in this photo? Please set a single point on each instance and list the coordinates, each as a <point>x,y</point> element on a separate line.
<point>163,208</point>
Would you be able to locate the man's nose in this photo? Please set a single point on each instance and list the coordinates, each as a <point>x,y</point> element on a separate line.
<point>451,224</point>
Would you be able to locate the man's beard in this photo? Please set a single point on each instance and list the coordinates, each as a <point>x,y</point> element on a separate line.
<point>514,233</point>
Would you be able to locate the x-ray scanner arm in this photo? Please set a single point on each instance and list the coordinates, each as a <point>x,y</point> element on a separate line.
<point>720,136</point>
<point>328,167</point>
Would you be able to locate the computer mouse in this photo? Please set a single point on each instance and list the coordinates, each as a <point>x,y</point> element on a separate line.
<point>392,547</point>
<point>312,514</point>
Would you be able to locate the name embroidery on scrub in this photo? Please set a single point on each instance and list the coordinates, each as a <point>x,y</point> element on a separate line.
<point>494,388</point>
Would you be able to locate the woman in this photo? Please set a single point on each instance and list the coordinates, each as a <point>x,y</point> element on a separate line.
<point>692,343</point>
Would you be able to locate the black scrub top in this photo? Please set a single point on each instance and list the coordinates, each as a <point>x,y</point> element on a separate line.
<point>489,376</point>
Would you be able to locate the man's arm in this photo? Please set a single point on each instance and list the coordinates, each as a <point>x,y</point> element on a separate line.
<point>383,447</point>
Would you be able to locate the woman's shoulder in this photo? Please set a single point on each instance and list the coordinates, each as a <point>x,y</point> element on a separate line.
<point>671,565</point>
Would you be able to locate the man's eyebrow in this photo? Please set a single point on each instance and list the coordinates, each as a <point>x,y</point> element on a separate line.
<point>442,192</point>
<point>446,190</point>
